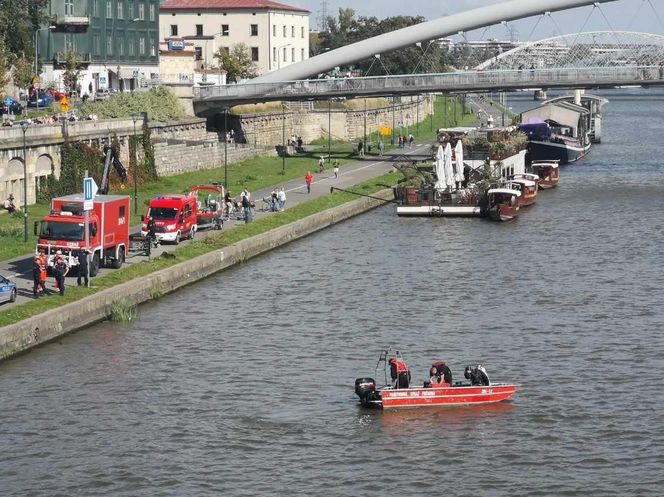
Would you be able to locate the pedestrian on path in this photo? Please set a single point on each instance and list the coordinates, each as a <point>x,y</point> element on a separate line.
<point>360,148</point>
<point>411,139</point>
<point>321,164</point>
<point>60,270</point>
<point>308,179</point>
<point>281,195</point>
<point>381,147</point>
<point>82,267</point>
<point>36,277</point>
<point>336,169</point>
<point>246,208</point>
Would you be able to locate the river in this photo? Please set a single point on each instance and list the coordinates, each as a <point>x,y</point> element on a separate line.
<point>243,384</point>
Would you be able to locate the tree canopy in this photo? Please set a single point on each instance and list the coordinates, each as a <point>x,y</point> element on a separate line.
<point>346,29</point>
<point>237,63</point>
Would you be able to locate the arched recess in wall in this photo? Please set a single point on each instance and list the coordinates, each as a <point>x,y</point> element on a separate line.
<point>15,168</point>
<point>13,180</point>
<point>43,168</point>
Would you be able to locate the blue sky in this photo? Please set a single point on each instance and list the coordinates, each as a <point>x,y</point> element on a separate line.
<point>627,15</point>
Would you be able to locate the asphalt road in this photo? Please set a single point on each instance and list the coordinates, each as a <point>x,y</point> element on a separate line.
<point>19,269</point>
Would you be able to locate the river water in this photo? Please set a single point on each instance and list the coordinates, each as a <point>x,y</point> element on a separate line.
<point>243,384</point>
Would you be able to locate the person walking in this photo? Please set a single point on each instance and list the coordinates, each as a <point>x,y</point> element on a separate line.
<point>360,148</point>
<point>308,179</point>
<point>281,196</point>
<point>60,269</point>
<point>381,147</point>
<point>411,139</point>
<point>321,164</point>
<point>36,276</point>
<point>82,257</point>
<point>336,169</point>
<point>246,208</point>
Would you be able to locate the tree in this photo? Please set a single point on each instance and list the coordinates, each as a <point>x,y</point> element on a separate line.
<point>22,72</point>
<point>73,67</point>
<point>18,21</point>
<point>4,77</point>
<point>237,63</point>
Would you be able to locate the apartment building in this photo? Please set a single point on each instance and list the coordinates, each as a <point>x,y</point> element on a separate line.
<point>117,40</point>
<point>276,34</point>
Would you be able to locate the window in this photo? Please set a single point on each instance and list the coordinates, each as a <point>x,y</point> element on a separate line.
<point>120,8</point>
<point>199,30</point>
<point>284,31</point>
<point>131,43</point>
<point>96,44</point>
<point>174,29</point>
<point>274,54</point>
<point>109,9</point>
<point>109,44</point>
<point>95,8</point>
<point>152,12</point>
<point>120,38</point>
<point>292,31</point>
<point>224,30</point>
<point>254,30</point>
<point>292,54</point>
<point>274,30</point>
<point>122,212</point>
<point>141,45</point>
<point>254,54</point>
<point>69,7</point>
<point>141,11</point>
<point>69,43</point>
<point>153,48</point>
<point>301,53</point>
<point>283,57</point>
<point>199,52</point>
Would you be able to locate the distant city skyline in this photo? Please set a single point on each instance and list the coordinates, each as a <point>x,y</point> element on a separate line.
<point>622,15</point>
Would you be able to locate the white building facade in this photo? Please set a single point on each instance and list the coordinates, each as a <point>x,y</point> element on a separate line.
<point>276,34</point>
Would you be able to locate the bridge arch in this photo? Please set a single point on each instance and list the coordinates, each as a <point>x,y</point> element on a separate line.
<point>583,50</point>
<point>430,30</point>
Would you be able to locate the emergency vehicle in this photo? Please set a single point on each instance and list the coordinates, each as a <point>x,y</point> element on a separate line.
<point>174,218</point>
<point>63,230</point>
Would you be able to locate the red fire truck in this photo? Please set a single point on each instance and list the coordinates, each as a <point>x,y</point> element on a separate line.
<point>174,218</point>
<point>63,229</point>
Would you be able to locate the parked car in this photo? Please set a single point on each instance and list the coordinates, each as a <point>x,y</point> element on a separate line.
<point>11,106</point>
<point>40,99</point>
<point>102,94</point>
<point>7,290</point>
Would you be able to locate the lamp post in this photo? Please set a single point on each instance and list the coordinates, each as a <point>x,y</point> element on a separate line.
<point>24,128</point>
<point>225,148</point>
<point>283,138</point>
<point>135,117</point>
<point>278,52</point>
<point>329,130</point>
<point>37,46</point>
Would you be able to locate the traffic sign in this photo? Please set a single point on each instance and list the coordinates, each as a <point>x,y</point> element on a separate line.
<point>90,188</point>
<point>64,105</point>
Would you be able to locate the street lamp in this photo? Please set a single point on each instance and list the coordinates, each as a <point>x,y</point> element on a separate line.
<point>225,148</point>
<point>135,117</point>
<point>24,128</point>
<point>283,137</point>
<point>37,46</point>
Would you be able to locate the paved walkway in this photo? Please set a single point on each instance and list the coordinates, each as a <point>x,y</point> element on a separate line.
<point>19,269</point>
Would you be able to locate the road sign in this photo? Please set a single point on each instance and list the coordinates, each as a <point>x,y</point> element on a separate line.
<point>89,191</point>
<point>64,105</point>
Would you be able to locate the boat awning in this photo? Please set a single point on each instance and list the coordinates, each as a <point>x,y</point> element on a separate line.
<point>562,113</point>
<point>508,191</point>
<point>524,181</point>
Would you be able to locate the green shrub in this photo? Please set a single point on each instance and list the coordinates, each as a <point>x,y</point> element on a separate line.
<point>159,103</point>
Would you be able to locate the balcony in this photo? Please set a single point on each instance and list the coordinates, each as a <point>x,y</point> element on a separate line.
<point>71,23</point>
<point>61,58</point>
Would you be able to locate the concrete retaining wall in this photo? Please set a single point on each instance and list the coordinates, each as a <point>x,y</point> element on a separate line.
<point>52,324</point>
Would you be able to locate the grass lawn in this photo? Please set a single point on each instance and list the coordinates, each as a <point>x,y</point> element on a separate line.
<point>198,247</point>
<point>257,173</point>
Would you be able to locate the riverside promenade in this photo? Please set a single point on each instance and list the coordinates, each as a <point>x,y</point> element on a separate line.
<point>79,313</point>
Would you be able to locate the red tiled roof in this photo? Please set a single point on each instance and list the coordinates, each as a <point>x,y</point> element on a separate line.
<point>228,5</point>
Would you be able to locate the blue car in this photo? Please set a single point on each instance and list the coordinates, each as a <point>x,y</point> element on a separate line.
<point>7,290</point>
<point>11,106</point>
<point>40,99</point>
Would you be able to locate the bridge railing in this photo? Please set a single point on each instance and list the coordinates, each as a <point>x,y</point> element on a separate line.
<point>422,83</point>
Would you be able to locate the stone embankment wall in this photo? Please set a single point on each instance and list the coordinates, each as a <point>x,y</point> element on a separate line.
<point>52,324</point>
<point>347,125</point>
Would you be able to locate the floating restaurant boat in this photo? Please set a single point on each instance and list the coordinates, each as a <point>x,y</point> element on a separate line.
<point>398,393</point>
<point>563,128</point>
<point>527,187</point>
<point>503,203</point>
<point>548,172</point>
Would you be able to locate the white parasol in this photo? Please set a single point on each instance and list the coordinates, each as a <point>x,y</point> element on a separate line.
<point>440,169</point>
<point>449,172</point>
<point>458,153</point>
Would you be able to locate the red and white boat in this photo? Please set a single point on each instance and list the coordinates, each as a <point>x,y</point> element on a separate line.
<point>527,187</point>
<point>399,393</point>
<point>548,172</point>
<point>503,203</point>
<point>209,205</point>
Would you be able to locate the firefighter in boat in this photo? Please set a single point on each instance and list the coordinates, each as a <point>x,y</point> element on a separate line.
<point>399,372</point>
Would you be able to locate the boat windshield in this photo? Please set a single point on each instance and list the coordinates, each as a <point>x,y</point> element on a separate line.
<point>162,213</point>
<point>56,230</point>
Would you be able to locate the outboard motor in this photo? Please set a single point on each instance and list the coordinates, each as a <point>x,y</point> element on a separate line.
<point>364,387</point>
<point>477,375</point>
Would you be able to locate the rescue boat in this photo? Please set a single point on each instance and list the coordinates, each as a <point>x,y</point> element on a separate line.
<point>398,393</point>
